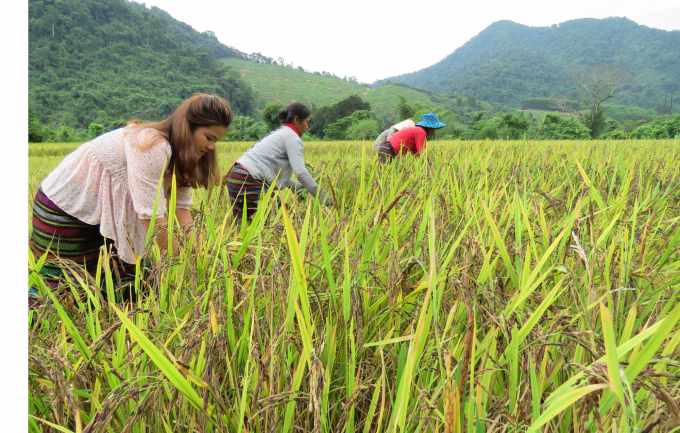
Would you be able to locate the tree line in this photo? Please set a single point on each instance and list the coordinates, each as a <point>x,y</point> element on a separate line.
<point>470,119</point>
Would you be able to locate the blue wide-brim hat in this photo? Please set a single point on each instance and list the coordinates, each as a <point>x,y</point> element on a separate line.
<point>430,120</point>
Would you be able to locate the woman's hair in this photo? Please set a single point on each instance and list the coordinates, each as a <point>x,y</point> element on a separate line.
<point>199,110</point>
<point>289,113</point>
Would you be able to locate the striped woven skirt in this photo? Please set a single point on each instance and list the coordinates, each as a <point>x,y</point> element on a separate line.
<point>386,153</point>
<point>244,191</point>
<point>70,244</point>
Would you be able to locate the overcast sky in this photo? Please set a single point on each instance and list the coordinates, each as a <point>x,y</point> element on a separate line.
<point>365,38</point>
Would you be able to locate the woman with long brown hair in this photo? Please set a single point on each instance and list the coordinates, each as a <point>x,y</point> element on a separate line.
<point>104,192</point>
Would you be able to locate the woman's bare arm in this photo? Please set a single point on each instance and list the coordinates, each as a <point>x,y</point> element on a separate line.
<point>186,221</point>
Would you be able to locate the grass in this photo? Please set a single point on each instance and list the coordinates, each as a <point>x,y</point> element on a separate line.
<point>384,99</point>
<point>285,85</point>
<point>486,287</point>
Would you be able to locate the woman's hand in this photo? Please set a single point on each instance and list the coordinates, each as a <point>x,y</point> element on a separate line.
<point>186,221</point>
<point>160,234</point>
<point>301,194</point>
<point>328,202</point>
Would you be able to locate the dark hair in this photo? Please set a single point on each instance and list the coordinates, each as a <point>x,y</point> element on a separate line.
<point>288,114</point>
<point>199,110</point>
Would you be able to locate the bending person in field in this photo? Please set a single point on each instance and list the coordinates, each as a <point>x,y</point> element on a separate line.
<point>410,140</point>
<point>389,132</point>
<point>103,193</point>
<point>278,153</point>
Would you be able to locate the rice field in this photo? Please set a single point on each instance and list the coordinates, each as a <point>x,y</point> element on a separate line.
<point>486,287</point>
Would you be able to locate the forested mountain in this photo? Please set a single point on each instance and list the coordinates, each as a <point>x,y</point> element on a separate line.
<point>508,62</point>
<point>184,32</point>
<point>103,61</point>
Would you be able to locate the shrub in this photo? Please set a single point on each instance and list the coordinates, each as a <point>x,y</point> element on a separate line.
<point>270,116</point>
<point>662,127</point>
<point>363,130</point>
<point>95,130</point>
<point>66,135</point>
<point>338,130</point>
<point>556,127</point>
<point>244,128</point>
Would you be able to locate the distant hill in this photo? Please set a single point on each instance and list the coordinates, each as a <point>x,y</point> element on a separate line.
<point>282,84</point>
<point>508,62</point>
<point>275,83</point>
<point>384,99</point>
<point>104,61</point>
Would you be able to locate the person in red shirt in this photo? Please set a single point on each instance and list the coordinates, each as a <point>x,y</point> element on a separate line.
<point>410,140</point>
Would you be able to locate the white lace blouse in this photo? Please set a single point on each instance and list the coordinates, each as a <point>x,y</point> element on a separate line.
<point>112,181</point>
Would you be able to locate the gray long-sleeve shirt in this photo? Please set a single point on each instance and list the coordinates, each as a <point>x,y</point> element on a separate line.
<point>280,152</point>
<point>383,137</point>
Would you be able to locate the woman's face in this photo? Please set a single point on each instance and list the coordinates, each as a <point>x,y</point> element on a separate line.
<point>301,125</point>
<point>206,136</point>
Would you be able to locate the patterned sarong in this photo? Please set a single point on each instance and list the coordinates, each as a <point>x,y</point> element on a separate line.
<point>386,153</point>
<point>71,244</point>
<point>244,191</point>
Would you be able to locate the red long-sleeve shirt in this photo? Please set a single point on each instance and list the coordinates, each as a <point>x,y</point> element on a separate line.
<point>409,140</point>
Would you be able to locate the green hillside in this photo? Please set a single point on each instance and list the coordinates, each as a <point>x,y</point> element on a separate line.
<point>384,99</point>
<point>275,83</point>
<point>508,62</point>
<point>625,112</point>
